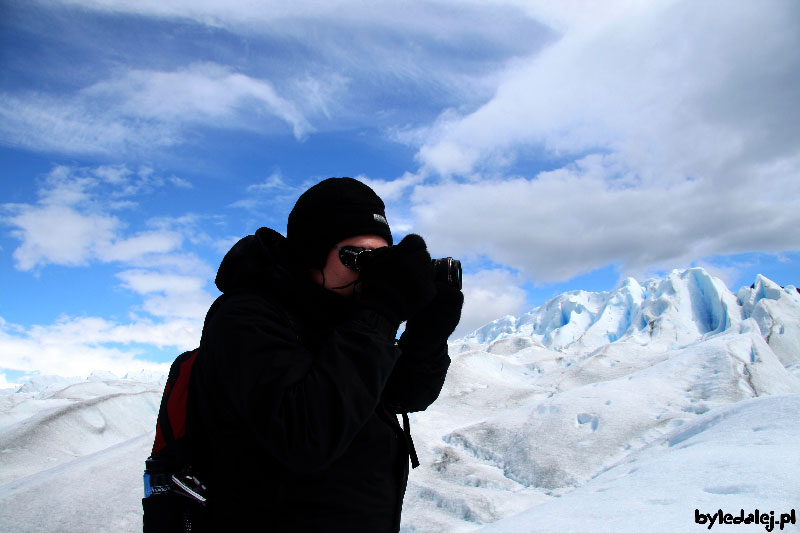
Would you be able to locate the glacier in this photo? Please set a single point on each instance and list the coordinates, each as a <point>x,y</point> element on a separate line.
<point>626,410</point>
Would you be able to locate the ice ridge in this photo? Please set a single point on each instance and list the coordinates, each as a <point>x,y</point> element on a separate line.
<point>682,308</point>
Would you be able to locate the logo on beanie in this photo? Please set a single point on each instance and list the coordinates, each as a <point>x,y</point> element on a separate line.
<point>379,218</point>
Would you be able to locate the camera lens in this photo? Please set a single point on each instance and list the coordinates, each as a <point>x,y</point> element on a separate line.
<point>447,270</point>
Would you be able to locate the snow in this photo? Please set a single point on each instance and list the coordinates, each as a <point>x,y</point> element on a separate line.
<point>739,457</point>
<point>46,430</point>
<point>618,411</point>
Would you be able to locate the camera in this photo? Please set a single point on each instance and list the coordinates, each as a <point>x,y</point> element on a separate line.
<point>447,269</point>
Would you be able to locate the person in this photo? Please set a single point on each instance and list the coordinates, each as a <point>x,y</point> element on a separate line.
<point>299,379</point>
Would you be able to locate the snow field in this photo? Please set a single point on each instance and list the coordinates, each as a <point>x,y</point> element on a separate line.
<point>619,411</point>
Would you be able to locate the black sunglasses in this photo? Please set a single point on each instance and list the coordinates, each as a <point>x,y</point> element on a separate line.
<point>350,256</point>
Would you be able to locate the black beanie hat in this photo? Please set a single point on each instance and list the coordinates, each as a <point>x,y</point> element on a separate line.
<point>328,213</point>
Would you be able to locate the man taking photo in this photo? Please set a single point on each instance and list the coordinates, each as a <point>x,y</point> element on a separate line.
<point>299,377</point>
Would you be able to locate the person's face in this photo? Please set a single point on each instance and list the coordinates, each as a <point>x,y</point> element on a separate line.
<point>336,277</point>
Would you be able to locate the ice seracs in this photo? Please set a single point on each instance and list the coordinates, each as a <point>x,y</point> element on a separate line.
<point>776,310</point>
<point>678,310</point>
<point>550,400</point>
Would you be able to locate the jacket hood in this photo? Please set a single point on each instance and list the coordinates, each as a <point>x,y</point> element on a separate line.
<point>257,262</point>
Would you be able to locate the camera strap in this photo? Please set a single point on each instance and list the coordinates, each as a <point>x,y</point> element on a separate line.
<point>411,450</point>
<point>336,288</point>
<point>345,286</point>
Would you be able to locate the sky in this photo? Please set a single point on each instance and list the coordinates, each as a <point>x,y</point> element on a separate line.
<point>551,146</point>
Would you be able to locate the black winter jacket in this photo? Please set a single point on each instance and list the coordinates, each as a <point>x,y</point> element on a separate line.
<point>293,401</point>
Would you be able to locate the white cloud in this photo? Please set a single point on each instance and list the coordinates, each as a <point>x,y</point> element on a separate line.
<point>566,15</point>
<point>574,220</point>
<point>144,282</point>
<point>489,294</point>
<point>269,197</point>
<point>392,190</point>
<point>59,235</point>
<point>688,112</point>
<point>72,225</point>
<point>174,304</point>
<point>270,184</point>
<point>395,194</point>
<point>132,248</point>
<point>180,182</point>
<point>193,228</point>
<point>675,87</point>
<point>77,346</point>
<point>169,295</point>
<point>5,384</point>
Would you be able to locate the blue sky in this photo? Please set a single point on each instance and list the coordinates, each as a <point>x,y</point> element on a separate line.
<point>552,146</point>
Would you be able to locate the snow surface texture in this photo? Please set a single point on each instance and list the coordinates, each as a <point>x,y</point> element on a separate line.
<point>617,411</point>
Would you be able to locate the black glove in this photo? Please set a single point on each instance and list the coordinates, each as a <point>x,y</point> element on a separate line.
<point>397,281</point>
<point>436,322</point>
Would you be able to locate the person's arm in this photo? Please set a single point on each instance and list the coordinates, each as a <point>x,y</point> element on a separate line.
<point>418,376</point>
<point>417,379</point>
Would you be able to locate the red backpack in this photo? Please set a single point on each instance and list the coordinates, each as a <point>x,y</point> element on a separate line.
<point>174,499</point>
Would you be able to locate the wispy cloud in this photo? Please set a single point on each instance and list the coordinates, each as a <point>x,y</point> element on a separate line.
<point>269,201</point>
<point>269,68</point>
<point>204,93</point>
<point>272,184</point>
<point>141,110</point>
